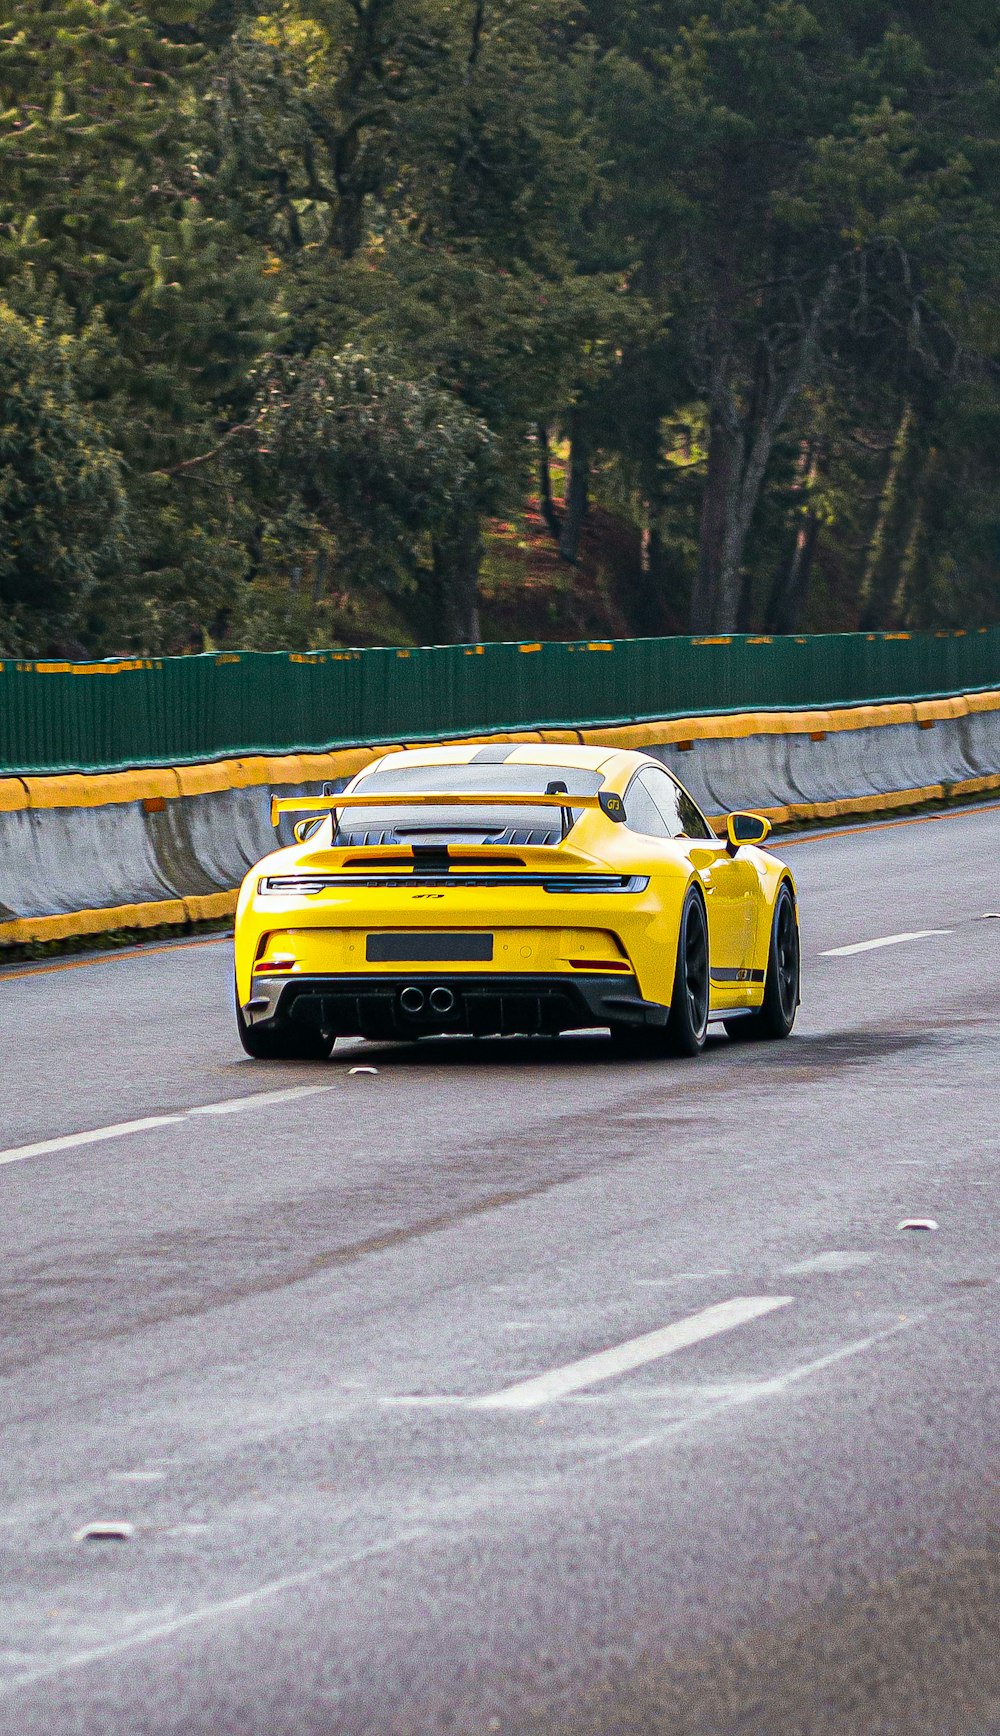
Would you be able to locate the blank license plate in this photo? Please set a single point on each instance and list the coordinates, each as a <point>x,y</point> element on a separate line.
<point>428,948</point>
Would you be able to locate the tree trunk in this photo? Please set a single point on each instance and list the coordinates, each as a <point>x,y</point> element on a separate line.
<point>878,581</point>
<point>905,604</point>
<point>346,223</point>
<point>740,445</point>
<point>643,595</point>
<point>644,599</point>
<point>255,552</point>
<point>575,503</point>
<point>744,611</point>
<point>346,229</point>
<point>791,578</point>
<point>547,505</point>
<point>724,455</point>
<point>741,504</point>
<point>791,582</point>
<point>475,39</point>
<point>319,575</point>
<point>457,554</point>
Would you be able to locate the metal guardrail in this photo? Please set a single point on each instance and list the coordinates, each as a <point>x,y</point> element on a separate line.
<point>104,716</point>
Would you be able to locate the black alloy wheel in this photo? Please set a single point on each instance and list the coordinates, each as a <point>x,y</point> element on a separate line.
<point>687,1025</point>
<point>781,985</point>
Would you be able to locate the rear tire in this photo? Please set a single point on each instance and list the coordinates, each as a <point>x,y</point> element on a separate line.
<point>284,1044</point>
<point>687,1025</point>
<point>777,1012</point>
<point>687,1021</point>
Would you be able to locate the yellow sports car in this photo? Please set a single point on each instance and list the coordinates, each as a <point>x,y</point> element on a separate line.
<point>527,888</point>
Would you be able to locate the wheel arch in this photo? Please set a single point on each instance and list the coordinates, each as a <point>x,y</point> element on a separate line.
<point>693,884</point>
<point>776,875</point>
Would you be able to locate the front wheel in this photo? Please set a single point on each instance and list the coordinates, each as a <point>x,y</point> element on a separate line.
<point>776,1015</point>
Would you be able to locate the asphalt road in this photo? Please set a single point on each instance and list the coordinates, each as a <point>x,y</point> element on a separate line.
<point>258,1328</point>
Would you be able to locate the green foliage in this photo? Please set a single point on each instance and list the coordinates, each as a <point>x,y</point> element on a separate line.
<point>63,508</point>
<point>109,214</point>
<point>306,288</point>
<point>388,468</point>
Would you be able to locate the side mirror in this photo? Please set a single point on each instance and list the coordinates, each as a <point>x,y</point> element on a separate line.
<point>745,829</point>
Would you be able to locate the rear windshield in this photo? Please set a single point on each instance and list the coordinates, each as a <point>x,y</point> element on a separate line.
<point>444,824</point>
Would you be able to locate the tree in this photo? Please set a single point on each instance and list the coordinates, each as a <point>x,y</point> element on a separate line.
<point>396,471</point>
<point>331,281</point>
<point>108,209</point>
<point>63,514</point>
<point>426,169</point>
<point>805,201</point>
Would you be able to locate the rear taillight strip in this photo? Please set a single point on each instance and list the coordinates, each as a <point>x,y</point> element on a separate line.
<point>307,886</point>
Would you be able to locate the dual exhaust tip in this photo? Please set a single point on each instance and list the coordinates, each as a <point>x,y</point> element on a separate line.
<point>440,1000</point>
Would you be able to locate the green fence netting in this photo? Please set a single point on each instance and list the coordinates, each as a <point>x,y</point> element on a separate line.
<point>58,717</point>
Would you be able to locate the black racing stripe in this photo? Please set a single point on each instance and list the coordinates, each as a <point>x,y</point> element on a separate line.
<point>492,756</point>
<point>726,974</point>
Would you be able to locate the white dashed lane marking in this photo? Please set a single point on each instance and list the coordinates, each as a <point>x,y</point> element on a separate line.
<point>886,940</point>
<point>832,1260</point>
<point>232,1105</point>
<point>118,1130</point>
<point>121,1129</point>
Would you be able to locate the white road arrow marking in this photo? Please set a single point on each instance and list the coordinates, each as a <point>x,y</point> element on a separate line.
<point>708,1323</point>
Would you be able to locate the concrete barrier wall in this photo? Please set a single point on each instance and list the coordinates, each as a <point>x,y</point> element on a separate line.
<point>787,775</point>
<point>81,855</point>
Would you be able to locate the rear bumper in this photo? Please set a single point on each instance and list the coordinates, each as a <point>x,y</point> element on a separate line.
<point>488,1004</point>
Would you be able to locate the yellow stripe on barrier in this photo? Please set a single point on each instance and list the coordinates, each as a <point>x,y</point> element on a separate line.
<point>515,737</point>
<point>122,667</point>
<point>101,790</point>
<point>207,907</point>
<point>13,795</point>
<point>875,804</point>
<point>85,790</point>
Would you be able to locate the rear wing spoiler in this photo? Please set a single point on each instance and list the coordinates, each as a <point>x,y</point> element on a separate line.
<point>609,804</point>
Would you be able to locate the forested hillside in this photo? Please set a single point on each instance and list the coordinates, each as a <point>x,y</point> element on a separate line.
<point>392,320</point>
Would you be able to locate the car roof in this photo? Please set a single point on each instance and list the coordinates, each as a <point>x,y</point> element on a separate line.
<point>533,753</point>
